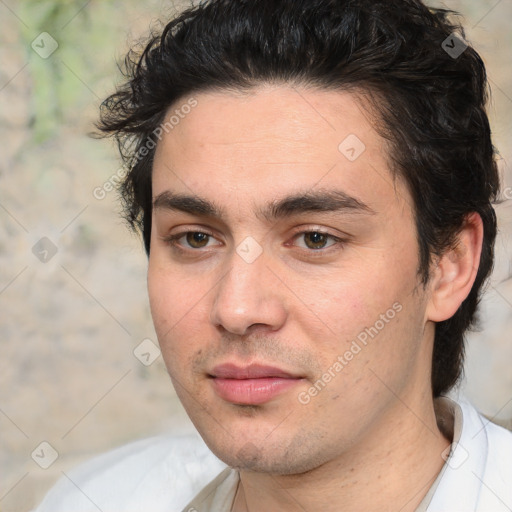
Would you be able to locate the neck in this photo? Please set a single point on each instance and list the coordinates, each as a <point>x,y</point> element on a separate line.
<point>392,468</point>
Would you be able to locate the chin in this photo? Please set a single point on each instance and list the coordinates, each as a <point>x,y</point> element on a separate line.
<point>269,458</point>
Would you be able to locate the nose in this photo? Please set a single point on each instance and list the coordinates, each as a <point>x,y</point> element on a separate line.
<point>248,297</point>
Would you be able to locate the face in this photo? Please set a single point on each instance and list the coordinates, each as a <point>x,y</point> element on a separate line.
<point>283,277</point>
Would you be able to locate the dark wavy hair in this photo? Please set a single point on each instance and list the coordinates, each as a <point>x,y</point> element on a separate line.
<point>429,104</point>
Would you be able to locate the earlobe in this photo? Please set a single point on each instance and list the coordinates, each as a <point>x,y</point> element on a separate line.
<point>455,272</point>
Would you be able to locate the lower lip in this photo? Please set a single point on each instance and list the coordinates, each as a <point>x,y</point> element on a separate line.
<point>251,391</point>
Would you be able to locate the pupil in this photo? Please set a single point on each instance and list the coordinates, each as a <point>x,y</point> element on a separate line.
<point>197,239</point>
<point>316,239</point>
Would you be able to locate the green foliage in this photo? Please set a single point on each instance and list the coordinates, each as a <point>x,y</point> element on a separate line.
<point>64,83</point>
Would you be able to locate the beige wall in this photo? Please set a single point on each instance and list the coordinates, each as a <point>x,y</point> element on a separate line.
<point>69,326</point>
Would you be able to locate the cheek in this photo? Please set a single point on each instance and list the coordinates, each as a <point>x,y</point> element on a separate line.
<point>162,301</point>
<point>359,316</point>
<point>180,314</point>
<point>348,301</point>
<point>172,295</point>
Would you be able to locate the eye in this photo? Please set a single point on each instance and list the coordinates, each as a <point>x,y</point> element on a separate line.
<point>190,239</point>
<point>314,240</point>
<point>317,240</point>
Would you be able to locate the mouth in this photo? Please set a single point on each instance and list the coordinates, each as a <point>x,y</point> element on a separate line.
<point>251,385</point>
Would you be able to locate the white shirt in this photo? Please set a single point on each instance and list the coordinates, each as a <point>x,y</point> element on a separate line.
<point>180,474</point>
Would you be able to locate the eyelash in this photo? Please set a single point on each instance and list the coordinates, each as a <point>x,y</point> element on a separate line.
<point>173,239</point>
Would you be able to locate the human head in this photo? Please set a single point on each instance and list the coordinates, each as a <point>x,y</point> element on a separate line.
<point>427,105</point>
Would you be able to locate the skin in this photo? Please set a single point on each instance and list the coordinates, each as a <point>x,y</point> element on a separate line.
<point>369,439</point>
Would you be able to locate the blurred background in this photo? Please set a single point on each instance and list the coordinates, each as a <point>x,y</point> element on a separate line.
<point>79,369</point>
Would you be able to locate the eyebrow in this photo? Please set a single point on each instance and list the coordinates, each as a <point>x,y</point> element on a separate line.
<point>294,204</point>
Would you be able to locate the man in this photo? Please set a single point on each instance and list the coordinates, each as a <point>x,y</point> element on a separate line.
<point>313,180</point>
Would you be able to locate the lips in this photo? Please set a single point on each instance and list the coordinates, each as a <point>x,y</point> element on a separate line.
<point>253,371</point>
<point>251,385</point>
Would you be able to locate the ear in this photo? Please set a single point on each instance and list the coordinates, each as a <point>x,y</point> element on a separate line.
<point>455,272</point>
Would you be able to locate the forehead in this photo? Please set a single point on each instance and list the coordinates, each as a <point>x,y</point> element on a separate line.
<point>290,116</point>
<point>271,140</point>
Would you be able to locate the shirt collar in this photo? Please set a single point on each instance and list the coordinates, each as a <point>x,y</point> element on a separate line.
<point>458,485</point>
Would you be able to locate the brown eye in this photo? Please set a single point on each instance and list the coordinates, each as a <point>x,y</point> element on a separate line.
<point>196,239</point>
<point>316,240</point>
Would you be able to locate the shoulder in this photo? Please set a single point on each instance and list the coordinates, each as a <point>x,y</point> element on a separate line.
<point>477,475</point>
<point>499,465</point>
<point>151,474</point>
<point>492,446</point>
<point>483,430</point>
